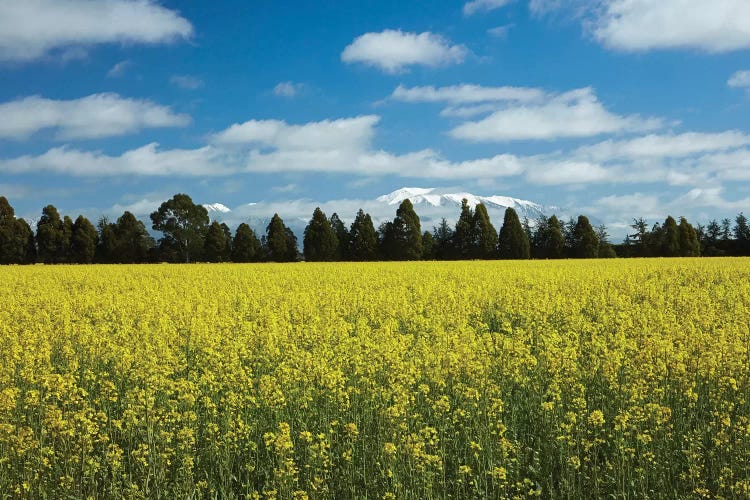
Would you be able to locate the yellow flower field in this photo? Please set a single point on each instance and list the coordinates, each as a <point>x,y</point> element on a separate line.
<point>396,380</point>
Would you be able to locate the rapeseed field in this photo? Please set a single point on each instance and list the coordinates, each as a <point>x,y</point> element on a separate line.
<point>575,379</point>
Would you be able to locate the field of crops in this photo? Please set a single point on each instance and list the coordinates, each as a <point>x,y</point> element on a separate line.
<point>398,380</point>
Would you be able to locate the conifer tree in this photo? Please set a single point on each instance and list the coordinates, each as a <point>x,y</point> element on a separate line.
<point>513,242</point>
<point>555,241</point>
<point>742,234</point>
<point>49,236</point>
<point>65,250</point>
<point>586,242</point>
<point>408,232</point>
<point>689,244</point>
<point>83,241</point>
<point>342,237</point>
<point>215,243</point>
<point>606,251</point>
<point>443,237</point>
<point>320,243</point>
<point>281,244</point>
<point>129,241</point>
<point>363,238</point>
<point>463,236</point>
<point>485,243</point>
<point>245,246</point>
<point>26,234</point>
<point>670,238</point>
<point>428,246</point>
<point>13,238</point>
<point>227,257</point>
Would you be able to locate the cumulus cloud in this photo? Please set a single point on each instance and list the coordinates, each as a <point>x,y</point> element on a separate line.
<point>664,146</point>
<point>466,94</point>
<point>741,79</point>
<point>394,50</point>
<point>31,29</point>
<point>95,116</point>
<point>577,113</point>
<point>475,6</point>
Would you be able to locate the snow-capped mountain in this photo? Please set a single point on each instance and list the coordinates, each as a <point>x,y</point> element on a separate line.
<point>216,208</point>
<point>431,197</point>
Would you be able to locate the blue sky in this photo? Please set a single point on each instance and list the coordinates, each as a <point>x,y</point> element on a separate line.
<point>614,108</point>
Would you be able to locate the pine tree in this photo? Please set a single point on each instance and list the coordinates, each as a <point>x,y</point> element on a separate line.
<point>742,234</point>
<point>689,244</point>
<point>555,241</point>
<point>586,243</point>
<point>463,236</point>
<point>320,243</point>
<point>83,241</point>
<point>485,244</point>
<point>387,242</point>
<point>443,236</point>
<point>281,244</point>
<point>513,242</point>
<point>363,238</point>
<point>606,251</point>
<point>184,225</point>
<point>670,239</point>
<point>12,241</point>
<point>129,241</point>
<point>215,243</point>
<point>342,237</point>
<point>25,234</point>
<point>408,232</point>
<point>428,246</point>
<point>49,235</point>
<point>227,256</point>
<point>245,246</point>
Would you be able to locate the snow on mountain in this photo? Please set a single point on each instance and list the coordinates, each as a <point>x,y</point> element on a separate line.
<point>217,208</point>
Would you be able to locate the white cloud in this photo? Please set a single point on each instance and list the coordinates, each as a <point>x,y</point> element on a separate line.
<point>740,79</point>
<point>31,29</point>
<point>186,82</point>
<point>288,89</point>
<point>577,113</point>
<point>558,172</point>
<point>466,94</point>
<point>500,31</point>
<point>475,6</point>
<point>394,50</point>
<point>664,146</point>
<point>95,116</point>
<point>119,69</point>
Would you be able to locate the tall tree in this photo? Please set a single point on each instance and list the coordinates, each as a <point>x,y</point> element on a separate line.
<point>245,246</point>
<point>363,238</point>
<point>131,242</point>
<point>13,240</point>
<point>485,245</point>
<point>742,234</point>
<point>513,242</point>
<point>428,246</point>
<point>49,236</point>
<point>409,232</point>
<point>281,244</point>
<point>215,243</point>
<point>227,257</point>
<point>689,244</point>
<point>443,236</point>
<point>107,240</point>
<point>670,240</point>
<point>342,237</point>
<point>83,241</point>
<point>586,243</point>
<point>606,251</point>
<point>726,229</point>
<point>184,225</point>
<point>320,243</point>
<point>26,234</point>
<point>463,236</point>
<point>554,241</point>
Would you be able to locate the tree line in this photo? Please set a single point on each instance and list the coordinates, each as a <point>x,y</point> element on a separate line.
<point>189,235</point>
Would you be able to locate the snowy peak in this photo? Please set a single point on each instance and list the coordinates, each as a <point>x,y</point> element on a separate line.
<point>217,208</point>
<point>430,196</point>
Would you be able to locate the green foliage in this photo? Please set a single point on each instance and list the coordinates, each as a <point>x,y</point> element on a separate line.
<point>689,244</point>
<point>485,235</point>
<point>246,246</point>
<point>320,243</point>
<point>443,237</point>
<point>83,241</point>
<point>49,236</point>
<point>363,238</point>
<point>184,225</point>
<point>513,242</point>
<point>215,244</point>
<point>463,236</point>
<point>670,238</point>
<point>409,232</point>
<point>342,237</point>
<point>586,243</point>
<point>16,237</point>
<point>428,246</point>
<point>280,242</point>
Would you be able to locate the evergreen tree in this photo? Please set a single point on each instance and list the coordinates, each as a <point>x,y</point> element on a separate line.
<point>742,234</point>
<point>215,243</point>
<point>13,238</point>
<point>246,246</point>
<point>130,241</point>
<point>83,241</point>
<point>555,241</point>
<point>26,234</point>
<point>428,246</point>
<point>320,243</point>
<point>670,240</point>
<point>485,245</point>
<point>281,244</point>
<point>408,232</point>
<point>569,234</point>
<point>342,237</point>
<point>184,225</point>
<point>363,238</point>
<point>606,251</point>
<point>586,243</point>
<point>106,242</point>
<point>387,242</point>
<point>49,236</point>
<point>513,242</point>
<point>463,236</point>
<point>227,257</point>
<point>689,244</point>
<point>66,250</point>
<point>726,231</point>
<point>443,237</point>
